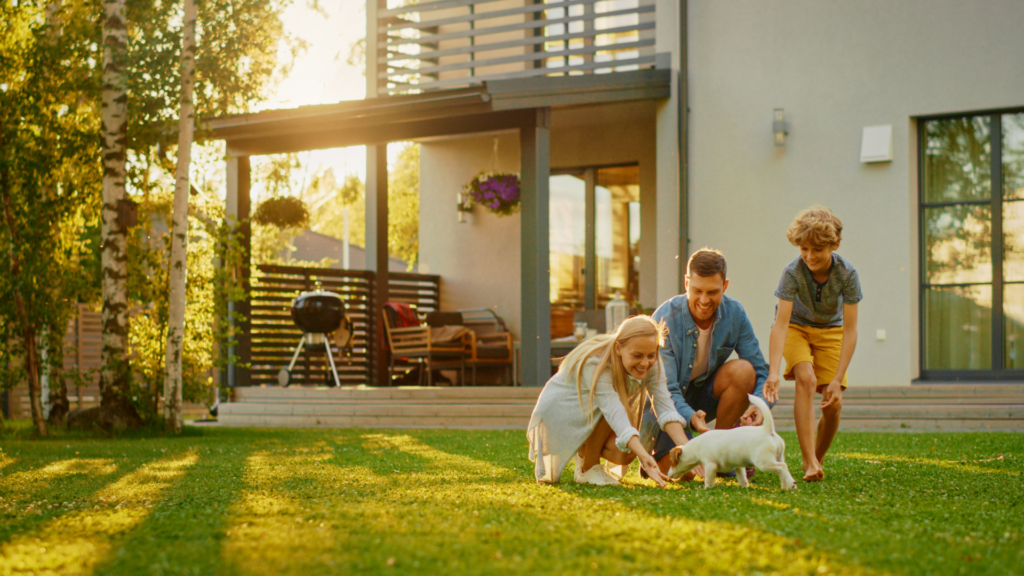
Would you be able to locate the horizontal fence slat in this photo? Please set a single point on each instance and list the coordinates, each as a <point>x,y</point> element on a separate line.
<point>530,57</point>
<point>430,6</point>
<point>523,42</point>
<point>479,16</point>
<point>642,61</point>
<point>529,25</point>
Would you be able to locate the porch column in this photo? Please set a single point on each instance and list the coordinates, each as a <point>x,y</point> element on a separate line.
<point>377,251</point>
<point>534,149</point>
<point>237,207</point>
<point>671,242</point>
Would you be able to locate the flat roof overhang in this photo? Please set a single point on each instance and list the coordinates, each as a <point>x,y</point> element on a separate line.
<point>497,105</point>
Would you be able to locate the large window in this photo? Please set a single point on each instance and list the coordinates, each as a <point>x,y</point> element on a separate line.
<point>972,248</point>
<point>595,218</point>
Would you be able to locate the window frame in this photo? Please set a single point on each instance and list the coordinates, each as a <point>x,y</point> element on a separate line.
<point>998,372</point>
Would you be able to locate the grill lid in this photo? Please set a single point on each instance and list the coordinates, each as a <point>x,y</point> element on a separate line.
<point>318,312</point>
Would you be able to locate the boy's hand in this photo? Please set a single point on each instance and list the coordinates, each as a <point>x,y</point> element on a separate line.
<point>833,393</point>
<point>771,388</point>
<point>697,421</point>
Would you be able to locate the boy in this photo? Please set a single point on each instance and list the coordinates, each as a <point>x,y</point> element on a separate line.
<point>815,330</point>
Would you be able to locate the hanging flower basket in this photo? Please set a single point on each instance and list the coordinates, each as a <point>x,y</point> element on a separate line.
<point>282,212</point>
<point>497,192</point>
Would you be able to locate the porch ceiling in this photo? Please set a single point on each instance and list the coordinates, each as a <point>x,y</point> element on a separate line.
<point>493,106</point>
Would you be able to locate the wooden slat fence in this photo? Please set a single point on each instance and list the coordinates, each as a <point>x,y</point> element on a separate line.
<point>82,352</point>
<point>274,335</point>
<point>429,45</point>
<point>82,348</point>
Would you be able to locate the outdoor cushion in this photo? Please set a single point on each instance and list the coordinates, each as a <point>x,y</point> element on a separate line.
<point>438,319</point>
<point>492,352</point>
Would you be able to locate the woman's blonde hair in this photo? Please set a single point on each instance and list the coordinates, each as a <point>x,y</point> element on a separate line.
<point>603,348</point>
<point>817,226</point>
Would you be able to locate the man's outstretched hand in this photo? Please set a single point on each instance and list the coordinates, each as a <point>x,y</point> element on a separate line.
<point>752,417</point>
<point>698,422</point>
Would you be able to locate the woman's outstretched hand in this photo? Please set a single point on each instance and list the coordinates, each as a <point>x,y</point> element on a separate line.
<point>651,467</point>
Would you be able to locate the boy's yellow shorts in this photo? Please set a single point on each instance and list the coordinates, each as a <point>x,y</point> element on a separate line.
<point>819,346</point>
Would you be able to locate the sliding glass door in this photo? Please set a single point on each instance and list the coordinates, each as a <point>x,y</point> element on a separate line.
<point>594,240</point>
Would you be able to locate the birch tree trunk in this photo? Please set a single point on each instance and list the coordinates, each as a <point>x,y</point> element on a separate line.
<point>116,409</point>
<point>177,272</point>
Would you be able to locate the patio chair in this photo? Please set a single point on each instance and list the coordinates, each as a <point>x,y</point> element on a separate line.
<point>490,343</point>
<point>415,342</point>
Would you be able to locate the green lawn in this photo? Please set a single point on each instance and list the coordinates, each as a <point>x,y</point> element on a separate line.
<point>246,501</point>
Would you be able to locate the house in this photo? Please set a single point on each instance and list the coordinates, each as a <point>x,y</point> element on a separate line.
<point>643,129</point>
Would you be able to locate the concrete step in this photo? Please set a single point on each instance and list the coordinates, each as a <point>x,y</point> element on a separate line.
<point>915,408</point>
<point>920,425</point>
<point>379,410</point>
<point>459,394</point>
<point>263,420</point>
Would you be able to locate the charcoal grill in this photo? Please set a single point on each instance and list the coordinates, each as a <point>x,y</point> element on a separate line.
<point>318,314</point>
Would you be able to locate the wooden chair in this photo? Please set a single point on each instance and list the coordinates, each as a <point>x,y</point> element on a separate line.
<point>415,343</point>
<point>490,343</point>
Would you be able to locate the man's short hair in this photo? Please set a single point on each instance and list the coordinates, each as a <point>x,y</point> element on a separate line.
<point>816,226</point>
<point>706,262</point>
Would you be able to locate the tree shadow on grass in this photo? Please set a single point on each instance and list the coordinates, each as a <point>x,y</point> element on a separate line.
<point>189,523</point>
<point>52,481</point>
<point>400,504</point>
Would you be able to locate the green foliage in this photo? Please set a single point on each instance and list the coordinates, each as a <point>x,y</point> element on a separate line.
<point>258,501</point>
<point>213,260</point>
<point>49,172</point>
<point>50,103</point>
<point>403,205</point>
<point>329,217</point>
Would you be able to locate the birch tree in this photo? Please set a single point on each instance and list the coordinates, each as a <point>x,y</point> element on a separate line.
<point>179,228</point>
<point>116,409</point>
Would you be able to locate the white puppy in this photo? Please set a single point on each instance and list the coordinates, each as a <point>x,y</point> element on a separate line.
<point>724,450</point>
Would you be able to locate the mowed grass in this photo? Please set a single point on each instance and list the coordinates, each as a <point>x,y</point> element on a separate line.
<point>248,501</point>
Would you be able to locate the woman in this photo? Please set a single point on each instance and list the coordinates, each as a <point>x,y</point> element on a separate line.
<point>592,407</point>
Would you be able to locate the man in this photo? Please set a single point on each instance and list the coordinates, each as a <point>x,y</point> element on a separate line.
<point>705,328</point>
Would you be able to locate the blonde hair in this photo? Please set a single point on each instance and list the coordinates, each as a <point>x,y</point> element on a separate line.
<point>603,348</point>
<point>817,226</point>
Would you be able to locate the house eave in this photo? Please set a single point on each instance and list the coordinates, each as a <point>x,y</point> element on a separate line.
<point>495,105</point>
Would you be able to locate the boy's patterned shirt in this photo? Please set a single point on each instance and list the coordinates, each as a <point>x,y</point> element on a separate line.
<point>819,305</point>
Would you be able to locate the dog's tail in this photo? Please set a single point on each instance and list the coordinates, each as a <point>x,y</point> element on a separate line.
<point>766,413</point>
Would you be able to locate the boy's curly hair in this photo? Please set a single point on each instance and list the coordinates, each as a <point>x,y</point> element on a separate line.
<point>817,226</point>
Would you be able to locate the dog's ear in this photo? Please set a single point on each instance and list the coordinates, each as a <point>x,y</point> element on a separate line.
<point>674,455</point>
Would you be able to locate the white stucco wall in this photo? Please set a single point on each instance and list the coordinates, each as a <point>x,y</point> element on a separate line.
<point>478,261</point>
<point>834,67</point>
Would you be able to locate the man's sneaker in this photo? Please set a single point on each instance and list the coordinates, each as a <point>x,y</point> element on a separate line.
<point>597,476</point>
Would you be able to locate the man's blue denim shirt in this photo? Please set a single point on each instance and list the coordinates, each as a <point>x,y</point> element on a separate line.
<point>730,332</point>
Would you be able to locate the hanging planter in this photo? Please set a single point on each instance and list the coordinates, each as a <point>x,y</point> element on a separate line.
<point>282,212</point>
<point>495,191</point>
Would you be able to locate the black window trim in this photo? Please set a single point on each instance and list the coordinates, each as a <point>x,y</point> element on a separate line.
<point>992,375</point>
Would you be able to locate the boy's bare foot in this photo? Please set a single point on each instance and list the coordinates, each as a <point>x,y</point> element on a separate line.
<point>813,472</point>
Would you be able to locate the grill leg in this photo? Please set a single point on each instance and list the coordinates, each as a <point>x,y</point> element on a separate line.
<point>295,356</point>
<point>330,359</point>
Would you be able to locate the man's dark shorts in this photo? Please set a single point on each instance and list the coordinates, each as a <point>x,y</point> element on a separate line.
<point>699,398</point>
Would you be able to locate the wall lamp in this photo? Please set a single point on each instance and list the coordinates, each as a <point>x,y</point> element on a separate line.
<point>464,204</point>
<point>780,127</point>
